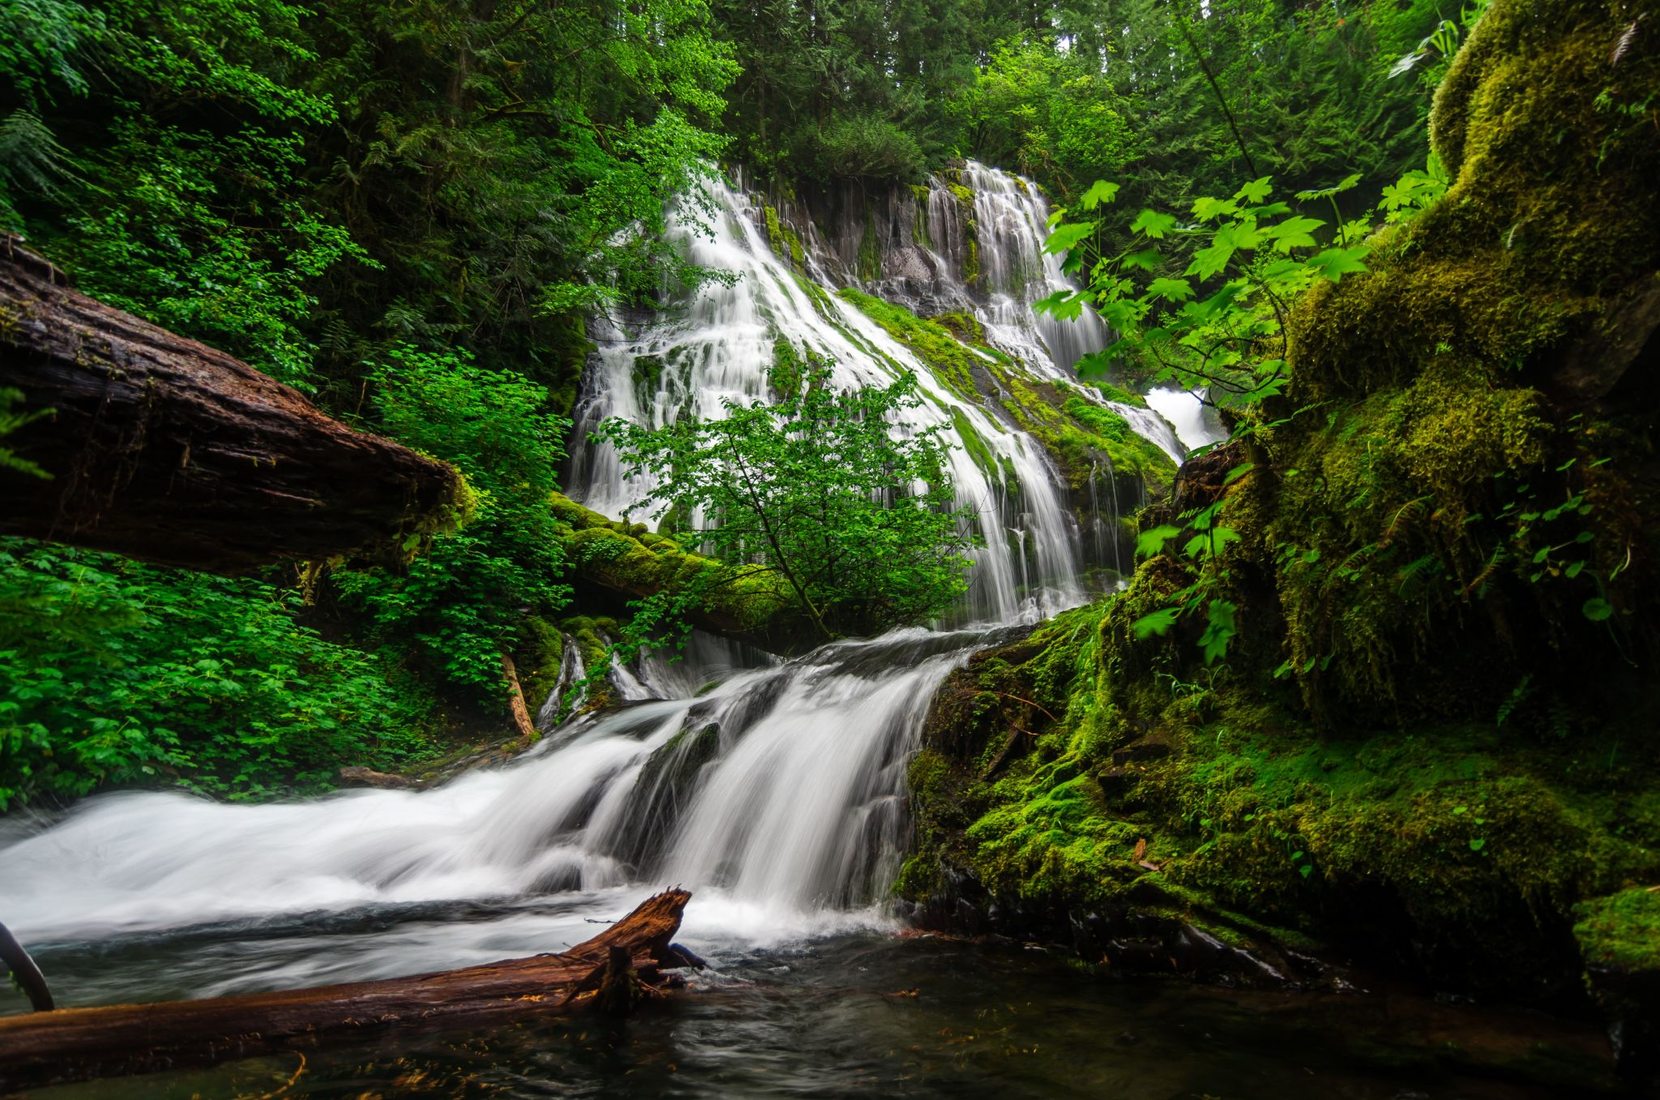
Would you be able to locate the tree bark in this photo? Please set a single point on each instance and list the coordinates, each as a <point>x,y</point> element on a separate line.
<point>81,1043</point>
<point>165,449</point>
<point>516,700</point>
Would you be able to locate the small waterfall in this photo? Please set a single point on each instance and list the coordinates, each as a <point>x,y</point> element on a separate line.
<point>1010,224</point>
<point>777,796</point>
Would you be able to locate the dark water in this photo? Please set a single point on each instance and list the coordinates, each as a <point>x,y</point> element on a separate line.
<point>875,1015</point>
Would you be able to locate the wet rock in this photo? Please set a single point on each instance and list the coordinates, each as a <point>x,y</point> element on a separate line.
<point>359,776</point>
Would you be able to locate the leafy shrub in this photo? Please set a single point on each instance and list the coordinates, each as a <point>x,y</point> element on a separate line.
<point>470,597</point>
<point>114,672</point>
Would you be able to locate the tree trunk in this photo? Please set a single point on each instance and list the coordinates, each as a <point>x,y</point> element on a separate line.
<point>164,449</point>
<point>80,1043</point>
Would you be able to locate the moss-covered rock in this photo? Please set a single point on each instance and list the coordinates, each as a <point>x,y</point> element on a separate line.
<point>1087,441</point>
<point>1432,743</point>
<point>627,561</point>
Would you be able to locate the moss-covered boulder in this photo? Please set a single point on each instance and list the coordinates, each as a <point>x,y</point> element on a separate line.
<point>1472,452</point>
<point>613,561</point>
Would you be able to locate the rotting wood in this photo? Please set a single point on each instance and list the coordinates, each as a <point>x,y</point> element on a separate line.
<point>165,449</point>
<point>79,1043</point>
<point>516,700</point>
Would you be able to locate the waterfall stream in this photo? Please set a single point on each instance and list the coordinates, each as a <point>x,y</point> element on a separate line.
<point>776,795</point>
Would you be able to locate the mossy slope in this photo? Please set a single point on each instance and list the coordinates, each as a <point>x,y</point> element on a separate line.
<point>1447,553</point>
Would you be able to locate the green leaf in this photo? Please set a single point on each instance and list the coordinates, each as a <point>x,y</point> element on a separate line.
<point>1207,262</point>
<point>1208,209</point>
<point>1152,541</point>
<point>1147,259</point>
<point>1255,191</point>
<point>1152,224</point>
<point>1334,263</point>
<point>1243,236</point>
<point>1477,844</point>
<point>1219,631</point>
<point>1099,192</point>
<point>1171,290</point>
<point>1327,192</point>
<point>1597,609</point>
<point>1067,236</point>
<point>1156,624</point>
<point>1064,305</point>
<point>1293,233</point>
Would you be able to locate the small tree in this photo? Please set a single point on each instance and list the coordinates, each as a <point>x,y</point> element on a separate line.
<point>817,488</point>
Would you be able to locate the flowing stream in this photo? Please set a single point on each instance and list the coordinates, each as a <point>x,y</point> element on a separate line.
<point>774,790</point>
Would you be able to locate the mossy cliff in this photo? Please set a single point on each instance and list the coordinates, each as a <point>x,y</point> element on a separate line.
<point>1431,744</point>
<point>1087,441</point>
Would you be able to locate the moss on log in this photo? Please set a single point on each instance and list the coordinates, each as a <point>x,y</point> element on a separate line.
<point>165,449</point>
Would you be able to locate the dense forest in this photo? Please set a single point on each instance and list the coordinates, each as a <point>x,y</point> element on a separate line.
<point>1366,672</point>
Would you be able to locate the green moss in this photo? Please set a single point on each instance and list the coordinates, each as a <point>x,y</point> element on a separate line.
<point>869,264</point>
<point>952,363</point>
<point>963,325</point>
<point>785,242</point>
<point>1621,931</point>
<point>1452,842</point>
<point>631,562</point>
<point>1077,433</point>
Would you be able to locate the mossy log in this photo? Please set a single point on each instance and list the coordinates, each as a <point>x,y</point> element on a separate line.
<point>165,449</point>
<point>621,561</point>
<point>81,1043</point>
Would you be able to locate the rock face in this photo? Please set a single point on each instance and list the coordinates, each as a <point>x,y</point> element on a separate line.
<point>162,448</point>
<point>1429,745</point>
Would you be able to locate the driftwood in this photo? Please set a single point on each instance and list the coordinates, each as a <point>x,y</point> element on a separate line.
<point>24,971</point>
<point>165,449</point>
<point>80,1043</point>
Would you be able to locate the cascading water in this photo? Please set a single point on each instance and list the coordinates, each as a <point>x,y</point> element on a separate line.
<point>776,795</point>
<point>719,347</point>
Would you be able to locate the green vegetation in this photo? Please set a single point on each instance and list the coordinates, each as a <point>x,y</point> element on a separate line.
<point>407,212</point>
<point>815,489</point>
<point>1384,676</point>
<point>1078,433</point>
<point>119,673</point>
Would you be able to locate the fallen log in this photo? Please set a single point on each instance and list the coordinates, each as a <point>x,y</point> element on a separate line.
<point>80,1043</point>
<point>165,449</point>
<point>24,971</point>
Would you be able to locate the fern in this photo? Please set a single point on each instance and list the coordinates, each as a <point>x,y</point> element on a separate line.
<point>10,421</point>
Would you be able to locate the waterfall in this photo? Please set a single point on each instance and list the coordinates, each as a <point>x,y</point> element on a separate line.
<point>777,796</point>
<point>718,347</point>
<point>774,790</point>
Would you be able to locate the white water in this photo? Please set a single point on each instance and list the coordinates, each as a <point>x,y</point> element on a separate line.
<point>1195,423</point>
<point>776,796</point>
